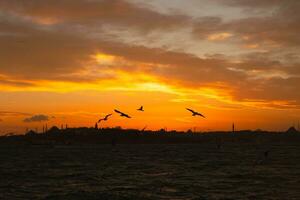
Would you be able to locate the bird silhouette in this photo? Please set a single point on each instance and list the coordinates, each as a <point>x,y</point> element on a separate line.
<point>105,118</point>
<point>195,113</point>
<point>122,114</point>
<point>141,109</point>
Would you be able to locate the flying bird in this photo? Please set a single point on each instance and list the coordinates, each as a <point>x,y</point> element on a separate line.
<point>105,118</point>
<point>141,109</point>
<point>195,113</point>
<point>122,114</point>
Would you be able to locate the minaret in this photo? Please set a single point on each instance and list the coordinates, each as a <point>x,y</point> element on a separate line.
<point>232,127</point>
<point>43,129</point>
<point>96,126</point>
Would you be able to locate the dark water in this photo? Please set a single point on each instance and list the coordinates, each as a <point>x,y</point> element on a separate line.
<point>150,172</point>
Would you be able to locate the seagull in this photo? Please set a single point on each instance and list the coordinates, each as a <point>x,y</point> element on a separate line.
<point>122,114</point>
<point>141,109</point>
<point>105,118</point>
<point>195,113</point>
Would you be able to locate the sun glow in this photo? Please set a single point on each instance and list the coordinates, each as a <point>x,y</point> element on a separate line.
<point>105,58</point>
<point>219,36</point>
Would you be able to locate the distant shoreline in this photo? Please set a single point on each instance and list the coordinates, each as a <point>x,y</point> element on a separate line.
<point>116,136</point>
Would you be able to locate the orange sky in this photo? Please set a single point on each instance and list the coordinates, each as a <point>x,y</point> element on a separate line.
<point>75,61</point>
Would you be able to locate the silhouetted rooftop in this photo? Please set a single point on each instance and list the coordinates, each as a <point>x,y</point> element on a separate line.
<point>292,130</point>
<point>31,132</point>
<point>53,130</point>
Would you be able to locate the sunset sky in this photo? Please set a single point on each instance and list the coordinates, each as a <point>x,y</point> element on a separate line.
<point>74,61</point>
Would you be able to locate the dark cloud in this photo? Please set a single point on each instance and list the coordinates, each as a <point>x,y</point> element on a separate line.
<point>36,53</point>
<point>254,3</point>
<point>275,92</point>
<point>184,67</point>
<point>51,40</point>
<point>118,12</point>
<point>205,26</point>
<point>57,54</point>
<point>278,28</point>
<point>15,83</point>
<point>259,64</point>
<point>37,118</point>
<point>258,3</point>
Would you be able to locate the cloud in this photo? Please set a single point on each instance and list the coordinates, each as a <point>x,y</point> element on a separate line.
<point>56,51</point>
<point>59,54</point>
<point>278,29</point>
<point>37,118</point>
<point>17,83</point>
<point>254,3</point>
<point>41,53</point>
<point>9,113</point>
<point>84,12</point>
<point>58,41</point>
